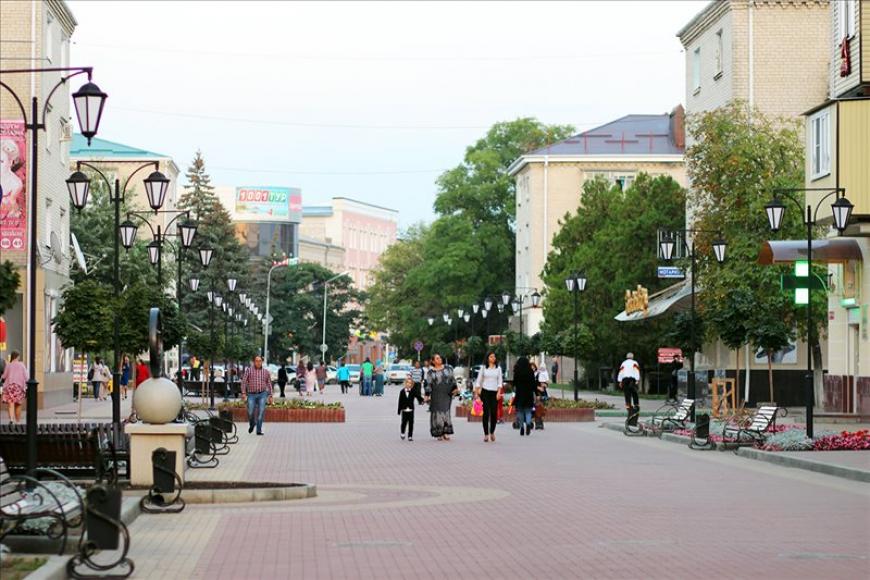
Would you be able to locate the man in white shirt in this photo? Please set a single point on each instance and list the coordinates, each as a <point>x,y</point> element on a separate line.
<point>628,379</point>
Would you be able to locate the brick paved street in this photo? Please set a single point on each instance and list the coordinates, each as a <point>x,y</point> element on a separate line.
<point>572,501</point>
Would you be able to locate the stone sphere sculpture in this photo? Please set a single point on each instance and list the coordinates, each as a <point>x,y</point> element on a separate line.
<point>157,400</point>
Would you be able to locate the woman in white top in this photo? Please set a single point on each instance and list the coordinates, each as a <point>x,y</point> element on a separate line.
<point>489,381</point>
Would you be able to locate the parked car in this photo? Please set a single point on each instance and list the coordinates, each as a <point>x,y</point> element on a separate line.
<point>331,373</point>
<point>354,373</point>
<point>396,373</point>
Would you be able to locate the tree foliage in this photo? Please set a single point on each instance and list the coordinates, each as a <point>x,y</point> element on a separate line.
<point>738,159</point>
<point>466,253</point>
<point>612,238</point>
<point>9,281</point>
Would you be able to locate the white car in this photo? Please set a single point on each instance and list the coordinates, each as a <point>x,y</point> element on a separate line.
<point>397,373</point>
<point>331,374</point>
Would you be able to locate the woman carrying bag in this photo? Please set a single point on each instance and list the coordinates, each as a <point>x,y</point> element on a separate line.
<point>489,381</point>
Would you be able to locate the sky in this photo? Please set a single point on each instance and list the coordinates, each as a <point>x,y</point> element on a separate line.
<point>367,100</point>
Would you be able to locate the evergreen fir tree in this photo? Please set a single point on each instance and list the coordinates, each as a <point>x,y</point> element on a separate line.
<point>198,196</point>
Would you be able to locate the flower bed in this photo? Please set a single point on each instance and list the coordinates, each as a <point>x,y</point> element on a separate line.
<point>289,411</point>
<point>571,415</point>
<point>794,438</point>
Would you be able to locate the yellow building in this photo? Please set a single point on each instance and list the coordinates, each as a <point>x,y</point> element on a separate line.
<point>838,156</point>
<point>37,35</point>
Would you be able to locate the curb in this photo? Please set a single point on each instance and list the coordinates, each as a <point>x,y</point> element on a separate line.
<point>775,458</point>
<point>808,464</point>
<point>53,569</point>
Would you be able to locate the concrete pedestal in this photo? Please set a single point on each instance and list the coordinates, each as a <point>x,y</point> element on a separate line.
<point>144,439</point>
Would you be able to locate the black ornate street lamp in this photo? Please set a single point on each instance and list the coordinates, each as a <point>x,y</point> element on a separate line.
<point>576,283</point>
<point>667,245</point>
<point>841,212</point>
<point>88,102</point>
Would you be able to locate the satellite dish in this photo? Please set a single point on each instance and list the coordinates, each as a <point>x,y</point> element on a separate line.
<point>55,247</point>
<point>80,258</point>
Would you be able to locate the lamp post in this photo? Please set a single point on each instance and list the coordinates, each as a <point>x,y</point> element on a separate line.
<point>268,297</point>
<point>576,283</point>
<point>232,282</point>
<point>78,185</point>
<point>323,346</point>
<point>88,102</point>
<point>666,248</point>
<point>186,231</point>
<point>841,210</point>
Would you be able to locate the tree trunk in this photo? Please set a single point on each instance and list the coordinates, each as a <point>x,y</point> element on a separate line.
<point>737,375</point>
<point>770,373</point>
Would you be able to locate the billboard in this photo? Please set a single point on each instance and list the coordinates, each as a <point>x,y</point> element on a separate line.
<point>13,180</point>
<point>268,204</point>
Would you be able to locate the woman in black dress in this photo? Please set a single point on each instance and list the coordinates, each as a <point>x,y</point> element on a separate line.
<point>525,386</point>
<point>440,390</point>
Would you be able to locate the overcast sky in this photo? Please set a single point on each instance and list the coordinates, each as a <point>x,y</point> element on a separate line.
<point>367,100</point>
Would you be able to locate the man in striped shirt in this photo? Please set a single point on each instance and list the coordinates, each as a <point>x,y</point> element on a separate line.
<point>257,390</point>
<point>416,375</point>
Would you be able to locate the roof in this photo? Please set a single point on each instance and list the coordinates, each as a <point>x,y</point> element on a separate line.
<point>699,22</point>
<point>316,211</point>
<point>673,298</point>
<point>107,149</point>
<point>628,135</point>
<point>827,251</point>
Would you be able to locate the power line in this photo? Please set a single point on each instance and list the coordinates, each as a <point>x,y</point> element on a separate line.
<point>305,172</point>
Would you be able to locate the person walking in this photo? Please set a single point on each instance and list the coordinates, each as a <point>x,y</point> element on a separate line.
<point>320,373</point>
<point>440,390</point>
<point>195,369</point>
<point>257,392</point>
<point>541,394</point>
<point>554,371</point>
<point>125,376</point>
<point>524,394</point>
<point>343,377</point>
<point>366,372</point>
<point>300,377</point>
<point>628,379</point>
<point>142,372</point>
<point>407,396</point>
<point>416,375</point>
<point>14,381</point>
<point>379,379</point>
<point>489,381</point>
<point>99,375</point>
<point>310,379</point>
<point>282,377</point>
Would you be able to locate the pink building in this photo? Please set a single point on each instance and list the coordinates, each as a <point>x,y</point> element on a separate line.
<point>362,229</point>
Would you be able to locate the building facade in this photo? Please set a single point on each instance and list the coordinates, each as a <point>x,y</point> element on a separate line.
<point>315,251</point>
<point>771,55</point>
<point>36,35</point>
<point>266,218</point>
<point>362,229</point>
<point>837,153</point>
<point>549,182</point>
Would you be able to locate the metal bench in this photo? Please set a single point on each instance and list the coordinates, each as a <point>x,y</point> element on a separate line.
<point>738,432</point>
<point>73,449</point>
<point>24,499</point>
<point>671,416</point>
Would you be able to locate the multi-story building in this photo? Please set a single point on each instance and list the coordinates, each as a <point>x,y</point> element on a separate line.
<point>837,154</point>
<point>771,55</point>
<point>320,252</point>
<point>266,217</point>
<point>549,182</point>
<point>36,35</point>
<point>362,229</point>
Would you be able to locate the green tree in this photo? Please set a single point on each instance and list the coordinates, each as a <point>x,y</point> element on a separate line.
<point>738,159</point>
<point>467,252</point>
<point>85,320</point>
<point>612,238</point>
<point>9,281</point>
<point>198,195</point>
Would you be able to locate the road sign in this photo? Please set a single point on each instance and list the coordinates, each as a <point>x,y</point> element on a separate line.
<point>269,319</point>
<point>671,272</point>
<point>418,346</point>
<point>324,348</point>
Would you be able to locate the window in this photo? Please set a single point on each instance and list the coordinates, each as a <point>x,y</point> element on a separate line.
<point>820,144</point>
<point>696,69</point>
<point>847,11</point>
<point>720,51</point>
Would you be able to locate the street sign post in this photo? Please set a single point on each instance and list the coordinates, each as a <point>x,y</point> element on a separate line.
<point>324,348</point>
<point>418,346</point>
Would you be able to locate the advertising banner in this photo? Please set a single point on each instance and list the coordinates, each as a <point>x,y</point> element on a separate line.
<point>268,204</point>
<point>13,181</point>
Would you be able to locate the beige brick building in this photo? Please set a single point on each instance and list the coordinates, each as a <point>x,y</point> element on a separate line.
<point>37,35</point>
<point>549,183</point>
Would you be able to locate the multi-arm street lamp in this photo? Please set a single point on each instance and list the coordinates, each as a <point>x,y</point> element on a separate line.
<point>576,283</point>
<point>88,102</point>
<point>518,302</point>
<point>841,211</point>
<point>186,231</point>
<point>78,185</point>
<point>668,243</point>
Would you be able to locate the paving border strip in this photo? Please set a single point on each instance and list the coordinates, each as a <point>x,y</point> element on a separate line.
<point>775,458</point>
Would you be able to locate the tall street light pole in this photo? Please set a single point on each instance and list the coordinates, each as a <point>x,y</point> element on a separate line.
<point>78,185</point>
<point>666,247</point>
<point>576,283</point>
<point>323,345</point>
<point>280,264</point>
<point>842,211</point>
<point>88,102</point>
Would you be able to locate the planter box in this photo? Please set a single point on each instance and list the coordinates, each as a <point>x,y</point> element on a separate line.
<point>555,416</point>
<point>461,411</point>
<point>276,415</point>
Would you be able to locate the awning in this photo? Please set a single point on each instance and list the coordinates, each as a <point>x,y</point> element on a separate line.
<point>824,251</point>
<point>674,298</point>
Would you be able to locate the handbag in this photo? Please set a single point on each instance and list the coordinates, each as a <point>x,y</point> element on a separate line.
<point>477,408</point>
